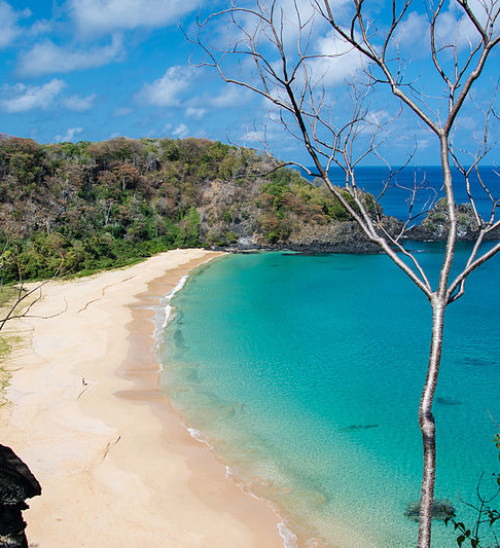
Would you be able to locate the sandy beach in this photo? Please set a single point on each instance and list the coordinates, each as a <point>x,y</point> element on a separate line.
<point>117,466</point>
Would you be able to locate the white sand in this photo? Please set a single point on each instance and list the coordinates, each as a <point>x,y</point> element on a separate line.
<point>117,467</point>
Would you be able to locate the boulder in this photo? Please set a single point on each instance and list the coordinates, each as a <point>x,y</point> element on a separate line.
<point>17,484</point>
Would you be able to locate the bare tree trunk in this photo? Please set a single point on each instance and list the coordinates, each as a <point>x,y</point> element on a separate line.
<point>307,114</point>
<point>428,426</point>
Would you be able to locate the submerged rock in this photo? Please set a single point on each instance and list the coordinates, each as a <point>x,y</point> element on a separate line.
<point>448,401</point>
<point>442,509</point>
<point>354,427</point>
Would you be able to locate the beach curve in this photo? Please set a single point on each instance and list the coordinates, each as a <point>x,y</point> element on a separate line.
<point>116,464</point>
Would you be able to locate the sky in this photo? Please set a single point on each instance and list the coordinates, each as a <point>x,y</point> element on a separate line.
<point>91,70</point>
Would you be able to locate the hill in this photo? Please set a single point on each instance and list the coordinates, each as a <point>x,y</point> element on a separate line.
<point>96,205</point>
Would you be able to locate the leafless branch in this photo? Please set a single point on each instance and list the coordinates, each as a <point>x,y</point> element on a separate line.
<point>23,295</point>
<point>284,77</point>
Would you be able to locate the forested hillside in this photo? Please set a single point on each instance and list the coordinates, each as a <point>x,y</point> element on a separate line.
<point>88,206</point>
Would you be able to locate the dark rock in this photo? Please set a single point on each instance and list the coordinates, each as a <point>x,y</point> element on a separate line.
<point>309,239</point>
<point>354,427</point>
<point>17,484</point>
<point>435,226</point>
<point>448,401</point>
<point>442,509</point>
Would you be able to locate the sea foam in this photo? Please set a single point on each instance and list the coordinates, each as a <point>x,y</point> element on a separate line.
<point>164,313</point>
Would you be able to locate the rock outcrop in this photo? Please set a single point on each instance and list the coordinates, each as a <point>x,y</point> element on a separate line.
<point>435,226</point>
<point>17,484</point>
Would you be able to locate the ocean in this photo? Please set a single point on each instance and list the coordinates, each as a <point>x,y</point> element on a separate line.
<point>399,195</point>
<point>304,374</point>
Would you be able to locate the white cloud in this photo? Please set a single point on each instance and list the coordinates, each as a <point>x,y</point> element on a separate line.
<point>253,136</point>
<point>9,30</point>
<point>336,61</point>
<point>181,131</point>
<point>70,135</point>
<point>122,111</point>
<point>196,113</point>
<point>285,18</point>
<point>47,58</point>
<point>293,19</point>
<point>481,8</point>
<point>39,27</point>
<point>228,96</point>
<point>231,96</point>
<point>332,62</point>
<point>166,91</point>
<point>454,26</point>
<point>21,98</point>
<point>376,119</point>
<point>79,104</point>
<point>103,16</point>
<point>448,29</point>
<point>468,123</point>
<point>309,16</point>
<point>414,31</point>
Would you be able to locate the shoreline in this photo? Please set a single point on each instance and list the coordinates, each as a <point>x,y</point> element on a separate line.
<point>116,463</point>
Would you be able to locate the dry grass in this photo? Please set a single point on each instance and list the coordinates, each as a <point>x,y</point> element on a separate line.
<point>7,340</point>
<point>5,349</point>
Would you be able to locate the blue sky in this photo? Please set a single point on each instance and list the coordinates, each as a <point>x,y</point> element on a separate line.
<point>96,69</point>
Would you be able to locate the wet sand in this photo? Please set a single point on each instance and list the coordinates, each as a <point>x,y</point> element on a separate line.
<point>116,464</point>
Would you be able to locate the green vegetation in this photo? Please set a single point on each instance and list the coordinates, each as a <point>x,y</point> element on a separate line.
<point>89,206</point>
<point>288,194</point>
<point>77,208</point>
<point>485,531</point>
<point>7,343</point>
<point>7,296</point>
<point>5,348</point>
<point>437,218</point>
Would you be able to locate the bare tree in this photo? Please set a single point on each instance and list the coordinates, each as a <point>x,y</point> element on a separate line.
<point>20,295</point>
<point>17,483</point>
<point>268,47</point>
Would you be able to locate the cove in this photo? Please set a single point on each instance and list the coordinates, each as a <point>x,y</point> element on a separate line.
<point>304,374</point>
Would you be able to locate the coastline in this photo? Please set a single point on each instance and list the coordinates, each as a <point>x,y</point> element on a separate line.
<point>116,464</point>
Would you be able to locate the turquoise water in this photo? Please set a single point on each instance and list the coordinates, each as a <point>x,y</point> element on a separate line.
<point>305,374</point>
